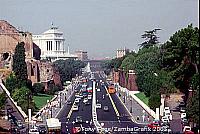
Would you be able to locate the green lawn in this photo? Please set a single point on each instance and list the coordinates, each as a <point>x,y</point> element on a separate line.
<point>41,99</point>
<point>143,98</point>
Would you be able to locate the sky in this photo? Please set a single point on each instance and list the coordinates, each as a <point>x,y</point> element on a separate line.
<point>100,27</point>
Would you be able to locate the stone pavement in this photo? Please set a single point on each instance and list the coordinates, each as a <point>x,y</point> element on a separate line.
<point>138,113</point>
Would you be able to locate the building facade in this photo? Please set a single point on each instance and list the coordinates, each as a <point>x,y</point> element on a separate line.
<point>52,45</point>
<point>81,55</point>
<point>122,52</point>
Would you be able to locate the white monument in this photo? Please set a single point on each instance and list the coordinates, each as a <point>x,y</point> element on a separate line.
<point>52,45</point>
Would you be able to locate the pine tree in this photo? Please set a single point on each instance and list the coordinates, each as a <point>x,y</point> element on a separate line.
<point>19,65</point>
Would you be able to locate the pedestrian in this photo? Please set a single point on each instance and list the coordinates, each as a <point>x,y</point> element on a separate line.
<point>138,118</point>
<point>148,118</point>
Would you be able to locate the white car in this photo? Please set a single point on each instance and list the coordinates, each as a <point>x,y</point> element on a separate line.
<point>98,89</point>
<point>165,119</point>
<point>85,100</point>
<point>98,105</point>
<point>183,115</point>
<point>166,110</point>
<point>75,108</point>
<point>89,96</point>
<point>168,115</point>
<point>33,131</point>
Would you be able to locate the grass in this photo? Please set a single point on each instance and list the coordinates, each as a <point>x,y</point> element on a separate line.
<point>143,98</point>
<point>41,99</point>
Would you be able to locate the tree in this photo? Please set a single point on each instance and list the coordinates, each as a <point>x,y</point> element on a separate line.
<point>150,37</point>
<point>19,65</point>
<point>11,82</point>
<point>154,100</point>
<point>23,98</point>
<point>181,56</point>
<point>38,88</point>
<point>192,107</point>
<point>68,68</point>
<point>2,99</point>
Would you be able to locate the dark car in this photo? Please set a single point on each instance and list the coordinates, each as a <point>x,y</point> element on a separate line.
<point>79,119</point>
<point>87,103</point>
<point>69,102</point>
<point>42,129</point>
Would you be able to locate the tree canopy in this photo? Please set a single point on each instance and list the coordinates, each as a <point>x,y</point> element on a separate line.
<point>19,65</point>
<point>69,68</point>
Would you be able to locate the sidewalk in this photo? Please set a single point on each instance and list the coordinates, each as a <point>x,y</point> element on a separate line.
<point>53,107</point>
<point>138,113</point>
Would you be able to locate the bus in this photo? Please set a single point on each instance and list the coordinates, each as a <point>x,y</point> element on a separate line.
<point>111,89</point>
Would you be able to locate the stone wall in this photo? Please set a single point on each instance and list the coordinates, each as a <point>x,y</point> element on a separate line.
<point>125,79</point>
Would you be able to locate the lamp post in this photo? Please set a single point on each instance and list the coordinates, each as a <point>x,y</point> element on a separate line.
<point>60,99</point>
<point>28,110</point>
<point>131,105</point>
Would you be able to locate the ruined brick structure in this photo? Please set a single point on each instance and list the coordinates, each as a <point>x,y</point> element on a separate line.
<point>37,71</point>
<point>129,82</point>
<point>43,72</point>
<point>10,36</point>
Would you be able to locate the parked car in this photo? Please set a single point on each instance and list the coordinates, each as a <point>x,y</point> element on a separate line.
<point>42,129</point>
<point>168,115</point>
<point>98,105</point>
<point>34,131</point>
<point>165,119</point>
<point>187,130</point>
<point>183,115</point>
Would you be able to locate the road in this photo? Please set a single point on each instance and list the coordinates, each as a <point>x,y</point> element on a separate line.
<point>116,120</point>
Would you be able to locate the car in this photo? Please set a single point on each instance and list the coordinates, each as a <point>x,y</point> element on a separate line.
<point>89,97</point>
<point>85,100</point>
<point>75,108</point>
<point>184,121</point>
<point>79,119</point>
<point>69,102</point>
<point>98,105</point>
<point>77,100</point>
<point>98,89</point>
<point>182,109</point>
<point>42,129</point>
<point>105,108</point>
<point>166,110</point>
<point>87,103</point>
<point>183,115</point>
<point>154,125</point>
<point>165,119</point>
<point>168,115</point>
<point>187,130</point>
<point>33,131</point>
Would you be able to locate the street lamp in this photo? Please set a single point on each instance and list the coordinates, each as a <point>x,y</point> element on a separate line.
<point>131,105</point>
<point>124,97</point>
<point>28,109</point>
<point>60,99</point>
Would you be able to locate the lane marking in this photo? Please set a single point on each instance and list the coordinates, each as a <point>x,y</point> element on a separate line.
<point>71,110</point>
<point>114,106</point>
